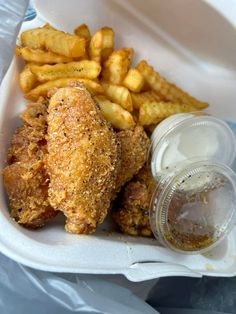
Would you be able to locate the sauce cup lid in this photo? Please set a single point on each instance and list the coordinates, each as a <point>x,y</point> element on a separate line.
<point>189,137</point>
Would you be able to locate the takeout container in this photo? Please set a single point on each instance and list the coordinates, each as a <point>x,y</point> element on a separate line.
<point>189,42</point>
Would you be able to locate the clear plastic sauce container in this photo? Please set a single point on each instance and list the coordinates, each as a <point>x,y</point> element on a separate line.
<point>194,204</point>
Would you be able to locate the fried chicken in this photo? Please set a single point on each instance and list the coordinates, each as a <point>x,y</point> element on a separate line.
<point>134,148</point>
<point>25,177</point>
<point>83,159</point>
<point>69,159</point>
<point>132,213</point>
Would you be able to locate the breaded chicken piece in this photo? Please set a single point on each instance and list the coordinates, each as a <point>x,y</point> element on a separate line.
<point>134,148</point>
<point>27,187</point>
<point>29,139</point>
<point>132,213</point>
<point>83,159</point>
<point>25,177</point>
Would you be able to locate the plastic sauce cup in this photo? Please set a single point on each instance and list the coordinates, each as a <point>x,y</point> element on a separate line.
<point>193,206</point>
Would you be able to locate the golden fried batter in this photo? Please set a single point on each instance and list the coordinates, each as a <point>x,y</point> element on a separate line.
<point>132,215</point>
<point>134,147</point>
<point>83,159</point>
<point>29,139</point>
<point>25,177</point>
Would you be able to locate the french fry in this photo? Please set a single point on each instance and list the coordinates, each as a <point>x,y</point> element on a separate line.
<point>27,79</point>
<point>140,98</point>
<point>93,86</point>
<point>55,41</point>
<point>107,43</point>
<point>134,80</point>
<point>146,87</point>
<point>42,90</point>
<point>153,112</point>
<point>116,66</point>
<point>150,128</point>
<point>167,90</point>
<point>119,95</point>
<point>84,32</point>
<point>80,69</point>
<point>118,117</point>
<point>84,57</point>
<point>101,44</point>
<point>40,56</point>
<point>135,114</point>
<point>59,59</point>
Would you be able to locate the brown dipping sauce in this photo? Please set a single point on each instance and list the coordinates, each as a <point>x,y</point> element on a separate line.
<point>188,230</point>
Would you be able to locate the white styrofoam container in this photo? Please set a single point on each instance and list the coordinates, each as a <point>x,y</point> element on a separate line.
<point>190,43</point>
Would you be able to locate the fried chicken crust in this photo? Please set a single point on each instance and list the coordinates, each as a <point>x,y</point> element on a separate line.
<point>134,145</point>
<point>83,159</point>
<point>132,214</point>
<point>26,178</point>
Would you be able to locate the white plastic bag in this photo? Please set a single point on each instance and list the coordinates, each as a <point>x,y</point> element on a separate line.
<point>11,16</point>
<point>24,291</point>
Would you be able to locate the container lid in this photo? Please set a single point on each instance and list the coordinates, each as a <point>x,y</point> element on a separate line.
<point>187,138</point>
<point>196,208</point>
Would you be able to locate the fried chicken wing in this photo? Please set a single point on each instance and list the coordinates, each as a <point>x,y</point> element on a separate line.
<point>29,140</point>
<point>134,145</point>
<point>83,159</point>
<point>25,177</point>
<point>132,214</point>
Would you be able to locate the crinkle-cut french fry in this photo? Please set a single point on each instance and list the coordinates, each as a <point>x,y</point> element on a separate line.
<point>42,90</point>
<point>118,117</point>
<point>135,114</point>
<point>146,87</point>
<point>119,95</point>
<point>167,90</point>
<point>153,112</point>
<point>84,57</point>
<point>40,56</point>
<point>107,43</point>
<point>84,32</point>
<point>54,40</point>
<point>101,44</point>
<point>81,69</point>
<point>134,80</point>
<point>116,66</point>
<point>27,79</point>
<point>140,98</point>
<point>150,128</point>
<point>93,86</point>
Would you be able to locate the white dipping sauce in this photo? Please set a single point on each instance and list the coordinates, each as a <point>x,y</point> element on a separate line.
<point>185,138</point>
